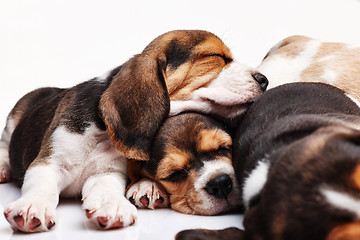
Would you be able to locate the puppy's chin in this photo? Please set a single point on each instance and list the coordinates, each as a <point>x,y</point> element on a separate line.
<point>206,206</point>
<point>231,116</point>
<point>228,113</point>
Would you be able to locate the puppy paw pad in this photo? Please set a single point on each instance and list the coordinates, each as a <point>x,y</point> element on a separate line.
<point>19,220</point>
<point>103,221</point>
<point>34,223</point>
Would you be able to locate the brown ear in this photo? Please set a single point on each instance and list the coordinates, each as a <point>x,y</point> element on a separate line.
<point>135,105</point>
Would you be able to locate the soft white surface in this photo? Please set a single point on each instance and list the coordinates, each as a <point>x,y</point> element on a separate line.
<point>73,224</point>
<point>63,42</point>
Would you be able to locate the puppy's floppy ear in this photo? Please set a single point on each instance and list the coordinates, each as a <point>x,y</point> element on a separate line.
<point>135,105</point>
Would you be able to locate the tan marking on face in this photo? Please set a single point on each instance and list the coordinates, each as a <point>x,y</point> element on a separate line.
<point>348,231</point>
<point>175,160</point>
<point>183,197</point>
<point>213,45</point>
<point>200,74</point>
<point>212,139</point>
<point>175,77</point>
<point>201,68</point>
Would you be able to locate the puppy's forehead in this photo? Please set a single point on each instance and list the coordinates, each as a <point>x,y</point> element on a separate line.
<point>182,43</point>
<point>189,137</point>
<point>212,139</point>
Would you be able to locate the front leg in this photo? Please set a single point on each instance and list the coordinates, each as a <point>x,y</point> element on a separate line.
<point>35,210</point>
<point>105,203</point>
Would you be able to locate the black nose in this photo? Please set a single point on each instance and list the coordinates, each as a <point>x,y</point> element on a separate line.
<point>262,80</point>
<point>220,187</point>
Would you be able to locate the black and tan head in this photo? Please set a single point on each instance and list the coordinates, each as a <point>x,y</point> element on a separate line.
<point>178,71</point>
<point>191,158</point>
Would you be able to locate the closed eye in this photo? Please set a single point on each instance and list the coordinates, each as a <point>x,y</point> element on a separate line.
<point>177,176</point>
<point>226,59</point>
<point>223,151</point>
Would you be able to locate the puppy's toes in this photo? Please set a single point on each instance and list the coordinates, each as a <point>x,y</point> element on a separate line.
<point>108,212</point>
<point>31,215</point>
<point>147,194</point>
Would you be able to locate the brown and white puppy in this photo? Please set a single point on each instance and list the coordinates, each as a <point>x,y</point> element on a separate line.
<point>191,159</point>
<point>303,59</point>
<point>297,159</point>
<point>77,140</point>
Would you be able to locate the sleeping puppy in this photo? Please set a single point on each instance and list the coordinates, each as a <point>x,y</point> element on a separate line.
<point>297,160</point>
<point>300,58</point>
<point>190,168</point>
<point>77,140</point>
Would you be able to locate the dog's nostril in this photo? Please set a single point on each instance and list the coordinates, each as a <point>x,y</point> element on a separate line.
<point>220,187</point>
<point>262,80</point>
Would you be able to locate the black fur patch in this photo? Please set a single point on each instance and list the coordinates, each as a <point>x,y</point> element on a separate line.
<point>179,51</point>
<point>84,110</point>
<point>27,137</point>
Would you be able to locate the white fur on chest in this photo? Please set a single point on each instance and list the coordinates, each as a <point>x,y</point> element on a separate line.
<point>255,181</point>
<point>79,156</point>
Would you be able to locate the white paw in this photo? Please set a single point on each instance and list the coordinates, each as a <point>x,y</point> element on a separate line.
<point>147,194</point>
<point>4,166</point>
<point>109,211</point>
<point>31,214</point>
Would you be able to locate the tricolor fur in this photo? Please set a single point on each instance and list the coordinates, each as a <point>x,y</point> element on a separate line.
<point>190,168</point>
<point>297,160</point>
<point>76,141</point>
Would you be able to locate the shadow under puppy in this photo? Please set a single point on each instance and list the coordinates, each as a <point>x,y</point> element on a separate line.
<point>297,159</point>
<point>78,140</point>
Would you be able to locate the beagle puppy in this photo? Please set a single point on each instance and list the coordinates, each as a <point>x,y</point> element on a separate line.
<point>77,141</point>
<point>190,168</point>
<point>303,59</point>
<point>297,160</point>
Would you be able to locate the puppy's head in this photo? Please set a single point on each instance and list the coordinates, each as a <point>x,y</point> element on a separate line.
<point>191,158</point>
<point>312,191</point>
<point>192,69</point>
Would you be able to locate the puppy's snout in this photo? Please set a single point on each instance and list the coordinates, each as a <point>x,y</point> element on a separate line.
<point>220,186</point>
<point>262,80</point>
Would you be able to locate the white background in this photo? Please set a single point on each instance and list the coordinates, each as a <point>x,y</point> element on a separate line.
<point>62,43</point>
